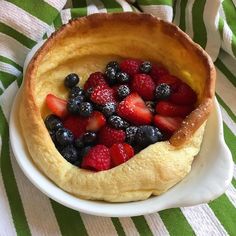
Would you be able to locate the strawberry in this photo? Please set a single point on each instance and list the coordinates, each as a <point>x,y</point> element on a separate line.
<point>95,121</point>
<point>56,105</point>
<point>130,66</point>
<point>144,86</point>
<point>184,95</point>
<point>133,109</point>
<point>108,136</point>
<point>167,124</point>
<point>97,159</point>
<point>120,153</point>
<point>157,72</point>
<point>77,125</point>
<point>171,80</point>
<point>94,80</point>
<point>170,109</point>
<point>102,95</point>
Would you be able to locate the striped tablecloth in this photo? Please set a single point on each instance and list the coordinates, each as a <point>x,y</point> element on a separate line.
<point>24,210</point>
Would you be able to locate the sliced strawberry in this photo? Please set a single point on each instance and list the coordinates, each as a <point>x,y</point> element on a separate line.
<point>184,95</point>
<point>120,153</point>
<point>95,121</point>
<point>102,95</point>
<point>170,109</point>
<point>167,124</point>
<point>157,72</point>
<point>56,105</point>
<point>171,80</point>
<point>76,124</point>
<point>133,109</point>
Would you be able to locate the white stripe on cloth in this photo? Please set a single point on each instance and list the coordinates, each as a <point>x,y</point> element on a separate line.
<point>22,21</point>
<point>128,226</point>
<point>226,90</point>
<point>57,4</point>
<point>203,220</point>
<point>98,226</point>
<point>9,69</point>
<point>229,62</point>
<point>227,39</point>
<point>100,6</point>
<point>91,8</point>
<point>211,20</point>
<point>189,17</point>
<point>162,11</point>
<point>231,194</point>
<point>1,86</point>
<point>125,6</point>
<point>6,223</point>
<point>235,171</point>
<point>50,30</point>
<point>12,49</point>
<point>36,205</point>
<point>176,20</point>
<point>227,119</point>
<point>65,16</point>
<point>156,224</point>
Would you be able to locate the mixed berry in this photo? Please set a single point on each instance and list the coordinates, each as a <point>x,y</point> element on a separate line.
<point>130,106</point>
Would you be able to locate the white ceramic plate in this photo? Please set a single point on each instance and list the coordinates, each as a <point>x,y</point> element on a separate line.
<point>211,173</point>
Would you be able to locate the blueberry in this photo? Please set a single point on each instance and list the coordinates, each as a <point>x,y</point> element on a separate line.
<point>114,65</point>
<point>53,136</point>
<point>151,106</point>
<point>79,143</point>
<point>110,73</point>
<point>64,137</point>
<point>130,134</point>
<point>53,122</point>
<point>70,153</point>
<point>73,104</point>
<point>123,91</point>
<point>85,109</point>
<point>109,109</point>
<point>71,80</point>
<point>84,151</point>
<point>88,93</point>
<point>89,137</point>
<point>117,122</point>
<point>163,91</point>
<point>122,77</point>
<point>147,135</point>
<point>145,67</point>
<point>75,92</point>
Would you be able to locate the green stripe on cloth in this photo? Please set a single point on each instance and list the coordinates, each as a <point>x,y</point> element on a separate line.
<point>175,222</point>
<point>69,221</point>
<point>233,42</point>
<point>199,29</point>
<point>112,6</point>
<point>1,91</point>
<point>234,182</point>
<point>225,212</point>
<point>19,80</point>
<point>227,109</point>
<point>230,14</point>
<point>141,225</point>
<point>118,226</point>
<point>182,23</point>
<point>57,22</point>
<point>6,78</point>
<point>29,43</point>
<point>39,9</point>
<point>221,66</point>
<point>78,12</point>
<point>230,140</point>
<point>9,61</point>
<point>13,195</point>
<point>155,2</point>
<point>79,3</point>
<point>221,27</point>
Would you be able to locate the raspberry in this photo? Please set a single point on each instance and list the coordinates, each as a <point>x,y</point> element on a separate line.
<point>102,95</point>
<point>94,80</point>
<point>108,136</point>
<point>157,72</point>
<point>120,153</point>
<point>97,159</point>
<point>130,66</point>
<point>144,86</point>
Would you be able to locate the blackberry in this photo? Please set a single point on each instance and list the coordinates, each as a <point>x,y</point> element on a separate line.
<point>89,138</point>
<point>114,65</point>
<point>109,109</point>
<point>110,73</point>
<point>75,92</point>
<point>73,104</point>
<point>85,109</point>
<point>117,122</point>
<point>70,153</point>
<point>145,67</point>
<point>88,93</point>
<point>53,122</point>
<point>71,80</point>
<point>162,91</point>
<point>130,134</point>
<point>122,77</point>
<point>123,91</point>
